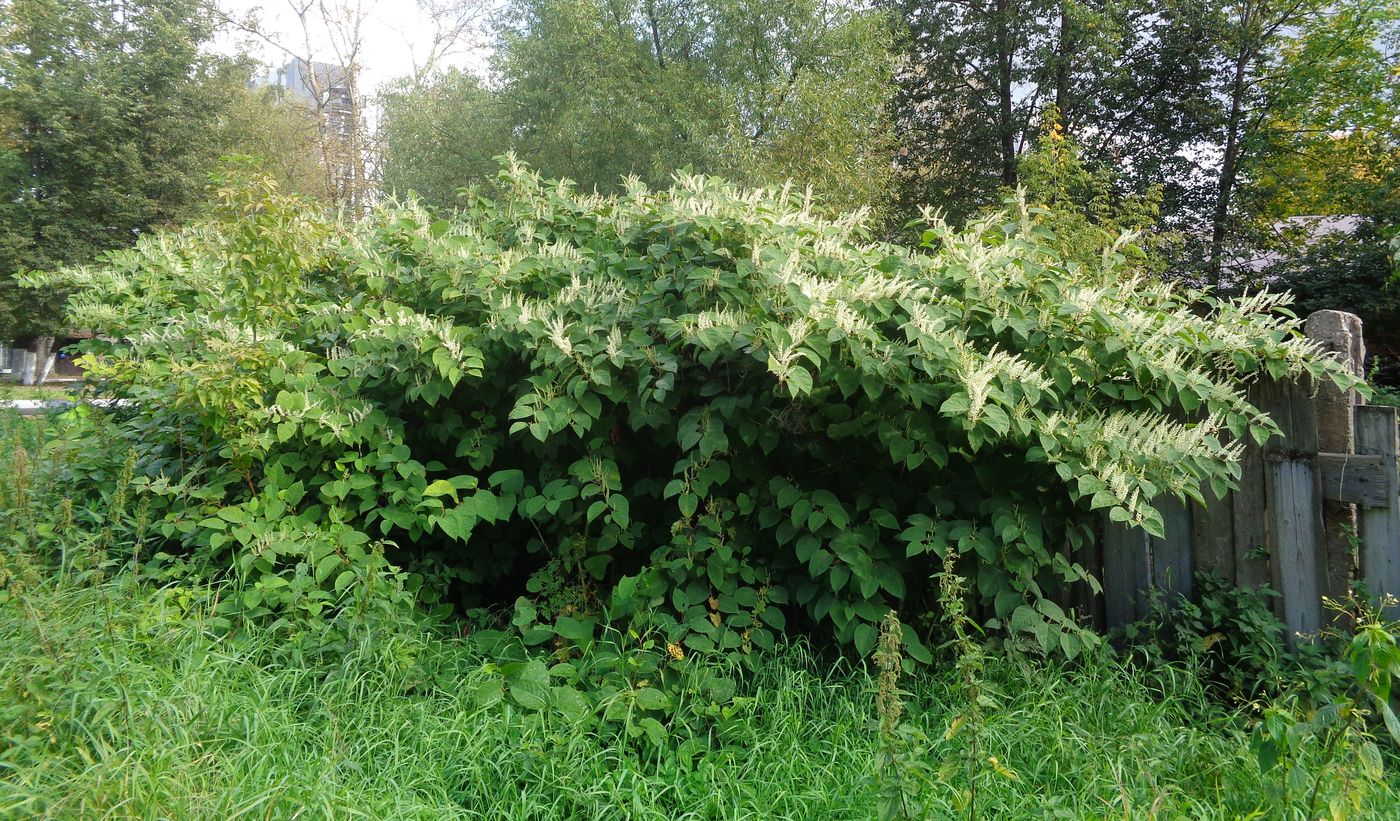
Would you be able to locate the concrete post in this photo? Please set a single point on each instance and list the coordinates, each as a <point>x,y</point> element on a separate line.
<point>1339,334</point>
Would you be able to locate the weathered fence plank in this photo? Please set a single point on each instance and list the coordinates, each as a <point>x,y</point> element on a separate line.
<point>1297,544</point>
<point>1213,536</point>
<point>1169,557</point>
<point>1294,528</point>
<point>1354,478</point>
<point>1251,531</point>
<point>1125,573</point>
<point>1379,528</point>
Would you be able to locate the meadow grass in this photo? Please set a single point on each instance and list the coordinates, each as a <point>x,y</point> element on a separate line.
<point>117,700</point>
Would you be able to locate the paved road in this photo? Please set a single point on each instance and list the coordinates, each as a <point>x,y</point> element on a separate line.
<point>29,407</point>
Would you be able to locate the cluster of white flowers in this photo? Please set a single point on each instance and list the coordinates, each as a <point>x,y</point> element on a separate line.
<point>312,409</point>
<point>558,331</point>
<point>977,372</point>
<point>419,326</point>
<point>717,319</point>
<point>783,353</point>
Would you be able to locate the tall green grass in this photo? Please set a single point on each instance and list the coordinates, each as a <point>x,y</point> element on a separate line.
<point>118,701</point>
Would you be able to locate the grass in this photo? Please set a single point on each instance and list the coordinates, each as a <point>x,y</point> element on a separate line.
<point>10,390</point>
<point>119,699</point>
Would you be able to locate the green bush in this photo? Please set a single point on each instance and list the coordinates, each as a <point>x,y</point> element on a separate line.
<point>700,411</point>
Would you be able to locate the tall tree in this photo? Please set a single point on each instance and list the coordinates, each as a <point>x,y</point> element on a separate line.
<point>1311,121</point>
<point>1129,78</point>
<point>111,115</point>
<point>967,97</point>
<point>758,91</point>
<point>440,134</point>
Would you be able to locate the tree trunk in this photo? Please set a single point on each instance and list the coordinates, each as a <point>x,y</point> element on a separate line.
<point>43,359</point>
<point>655,34</point>
<point>1229,168</point>
<point>1064,59</point>
<point>1005,127</point>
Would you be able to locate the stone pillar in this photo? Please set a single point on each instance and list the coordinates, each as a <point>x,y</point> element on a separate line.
<point>1339,334</point>
<point>28,364</point>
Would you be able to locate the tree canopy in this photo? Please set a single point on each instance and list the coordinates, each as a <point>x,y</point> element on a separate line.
<point>111,116</point>
<point>599,91</point>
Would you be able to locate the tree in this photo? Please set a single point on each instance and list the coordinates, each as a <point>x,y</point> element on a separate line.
<point>111,115</point>
<point>281,138</point>
<point>1086,205</point>
<point>440,135</point>
<point>324,68</point>
<point>597,91</point>
<point>1313,120</point>
<point>1130,79</point>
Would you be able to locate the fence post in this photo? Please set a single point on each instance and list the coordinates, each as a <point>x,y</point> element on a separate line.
<point>1380,526</point>
<point>1339,334</point>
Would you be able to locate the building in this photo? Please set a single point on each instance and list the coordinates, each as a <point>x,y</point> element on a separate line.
<point>323,89</point>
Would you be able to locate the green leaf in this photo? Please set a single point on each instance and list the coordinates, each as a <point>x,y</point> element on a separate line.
<point>1392,725</point>
<point>865,637</point>
<point>529,686</point>
<point>799,381</point>
<point>441,487</point>
<point>654,731</point>
<point>570,703</point>
<point>621,510</point>
<point>326,566</point>
<point>956,405</point>
<point>575,630</point>
<point>914,648</point>
<point>996,419</point>
<point>650,698</point>
<point>233,514</point>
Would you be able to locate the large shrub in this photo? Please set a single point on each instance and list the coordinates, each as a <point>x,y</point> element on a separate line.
<point>704,409</point>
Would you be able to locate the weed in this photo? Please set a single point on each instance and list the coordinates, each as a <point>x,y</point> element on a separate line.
<point>902,774</point>
<point>1346,763</point>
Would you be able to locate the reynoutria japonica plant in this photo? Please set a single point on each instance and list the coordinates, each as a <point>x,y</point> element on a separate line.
<point>706,410</point>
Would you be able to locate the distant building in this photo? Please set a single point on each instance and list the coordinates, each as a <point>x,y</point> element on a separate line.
<point>323,89</point>
<point>1288,237</point>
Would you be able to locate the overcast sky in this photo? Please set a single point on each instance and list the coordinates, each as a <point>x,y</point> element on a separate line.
<point>397,36</point>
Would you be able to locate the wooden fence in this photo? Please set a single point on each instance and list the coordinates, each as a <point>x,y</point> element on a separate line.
<point>1316,510</point>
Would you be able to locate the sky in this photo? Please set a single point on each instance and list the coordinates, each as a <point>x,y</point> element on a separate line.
<point>397,35</point>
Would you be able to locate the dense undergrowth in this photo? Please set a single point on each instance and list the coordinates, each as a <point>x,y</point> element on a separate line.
<point>532,511</point>
<point>124,694</point>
